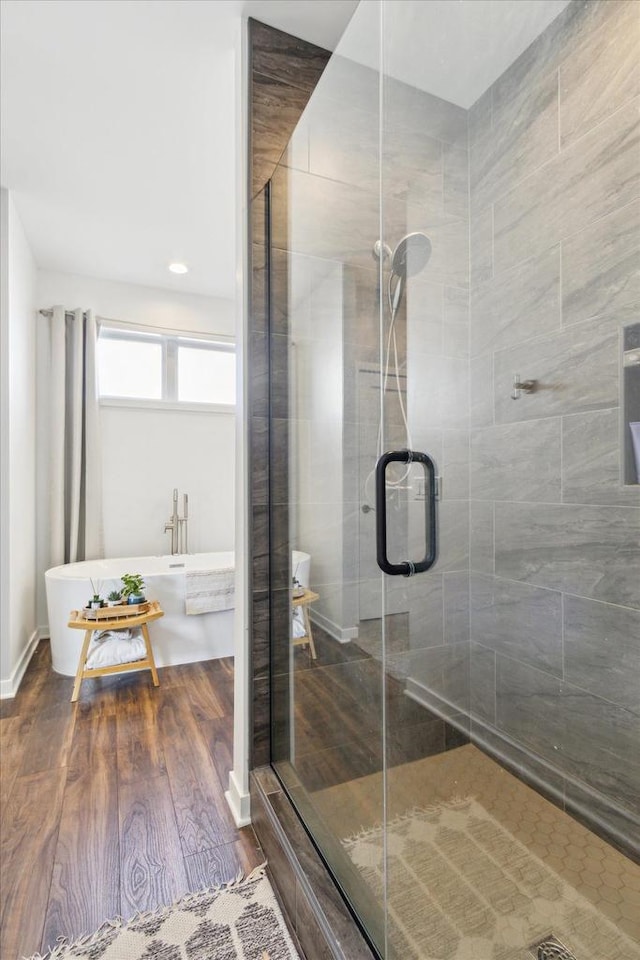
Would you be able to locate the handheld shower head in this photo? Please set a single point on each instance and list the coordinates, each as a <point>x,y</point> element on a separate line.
<point>411,255</point>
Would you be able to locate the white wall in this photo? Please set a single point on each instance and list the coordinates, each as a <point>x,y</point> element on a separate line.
<point>147,452</point>
<point>186,312</point>
<point>18,418</point>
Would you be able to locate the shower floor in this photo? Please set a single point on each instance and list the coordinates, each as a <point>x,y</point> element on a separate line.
<point>500,864</point>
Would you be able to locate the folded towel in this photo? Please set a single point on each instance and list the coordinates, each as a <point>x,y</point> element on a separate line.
<point>110,647</point>
<point>298,628</point>
<point>208,591</point>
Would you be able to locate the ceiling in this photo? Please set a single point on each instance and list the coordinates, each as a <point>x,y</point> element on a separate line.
<point>118,117</point>
<point>453,49</point>
<point>118,123</point>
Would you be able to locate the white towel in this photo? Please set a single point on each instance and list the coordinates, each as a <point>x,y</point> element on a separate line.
<point>208,591</point>
<point>298,629</point>
<point>110,647</point>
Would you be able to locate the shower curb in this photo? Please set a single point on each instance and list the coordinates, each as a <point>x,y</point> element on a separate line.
<point>314,909</point>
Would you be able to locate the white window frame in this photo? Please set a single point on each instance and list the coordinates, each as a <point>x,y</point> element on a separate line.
<point>170,341</point>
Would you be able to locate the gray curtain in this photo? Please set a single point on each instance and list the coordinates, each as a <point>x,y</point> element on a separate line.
<point>76,468</point>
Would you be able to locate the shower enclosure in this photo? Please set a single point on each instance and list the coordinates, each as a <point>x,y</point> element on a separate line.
<point>453,232</point>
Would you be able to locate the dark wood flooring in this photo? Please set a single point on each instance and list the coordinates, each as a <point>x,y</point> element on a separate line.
<point>339,700</point>
<point>115,804</point>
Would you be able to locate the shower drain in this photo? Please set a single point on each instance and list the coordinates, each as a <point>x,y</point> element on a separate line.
<point>551,949</point>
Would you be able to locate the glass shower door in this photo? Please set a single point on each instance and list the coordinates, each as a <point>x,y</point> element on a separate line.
<point>507,320</point>
<point>454,521</point>
<point>327,688</point>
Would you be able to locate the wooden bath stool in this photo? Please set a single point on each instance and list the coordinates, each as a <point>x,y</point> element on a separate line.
<point>114,621</point>
<point>303,601</point>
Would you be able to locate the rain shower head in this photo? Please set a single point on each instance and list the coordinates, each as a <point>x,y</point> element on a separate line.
<point>411,255</point>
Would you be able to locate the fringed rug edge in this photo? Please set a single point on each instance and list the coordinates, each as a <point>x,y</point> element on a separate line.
<point>87,940</point>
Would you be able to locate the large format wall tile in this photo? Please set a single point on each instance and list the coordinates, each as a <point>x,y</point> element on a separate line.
<point>517,461</point>
<point>517,305</point>
<point>426,605</point>
<point>440,387</point>
<point>481,391</point>
<point>453,529</point>
<point>528,707</point>
<point>523,136</point>
<point>286,58</point>
<point>455,465</point>
<point>404,104</point>
<point>335,128</point>
<point>518,620</point>
<point>587,181</point>
<point>591,455</point>
<point>591,551</point>
<point>603,73</point>
<point>424,312</point>
<point>601,266</point>
<point>456,182</point>
<point>481,536</point>
<point>481,246</point>
<point>456,607</point>
<point>602,650</point>
<point>482,680</point>
<point>455,325</point>
<point>577,369</point>
<point>455,676</point>
<point>449,262</point>
<point>276,109</point>
<point>589,738</point>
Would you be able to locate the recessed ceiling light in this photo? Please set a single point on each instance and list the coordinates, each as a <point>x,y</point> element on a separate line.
<point>178,268</point>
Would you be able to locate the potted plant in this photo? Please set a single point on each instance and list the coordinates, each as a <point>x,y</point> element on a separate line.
<point>133,589</point>
<point>115,598</point>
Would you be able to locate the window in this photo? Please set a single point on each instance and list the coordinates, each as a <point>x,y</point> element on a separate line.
<point>164,369</point>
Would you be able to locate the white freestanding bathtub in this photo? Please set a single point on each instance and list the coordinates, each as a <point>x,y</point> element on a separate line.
<point>176,637</point>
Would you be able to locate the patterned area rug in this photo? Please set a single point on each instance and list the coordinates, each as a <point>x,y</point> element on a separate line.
<point>241,921</point>
<point>461,887</point>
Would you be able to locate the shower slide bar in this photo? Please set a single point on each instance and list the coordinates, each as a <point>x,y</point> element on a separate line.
<point>406,568</point>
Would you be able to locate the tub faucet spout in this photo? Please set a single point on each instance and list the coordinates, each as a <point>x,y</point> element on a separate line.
<point>173,525</point>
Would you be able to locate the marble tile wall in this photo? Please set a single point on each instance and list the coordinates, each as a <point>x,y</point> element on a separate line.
<point>554,159</point>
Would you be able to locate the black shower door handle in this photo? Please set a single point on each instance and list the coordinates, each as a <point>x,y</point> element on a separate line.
<point>407,568</point>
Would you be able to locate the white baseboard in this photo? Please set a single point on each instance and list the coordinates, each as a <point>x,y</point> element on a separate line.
<point>43,632</point>
<point>9,687</point>
<point>341,634</point>
<point>239,802</point>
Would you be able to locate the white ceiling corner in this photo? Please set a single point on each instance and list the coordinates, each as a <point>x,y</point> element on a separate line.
<point>118,117</point>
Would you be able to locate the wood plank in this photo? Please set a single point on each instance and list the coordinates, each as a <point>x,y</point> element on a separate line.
<point>13,735</point>
<point>139,749</point>
<point>94,737</point>
<point>221,675</point>
<point>218,735</point>
<point>27,847</point>
<point>152,871</point>
<point>224,863</point>
<point>49,740</point>
<point>204,818</point>
<point>205,697</point>
<point>85,885</point>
